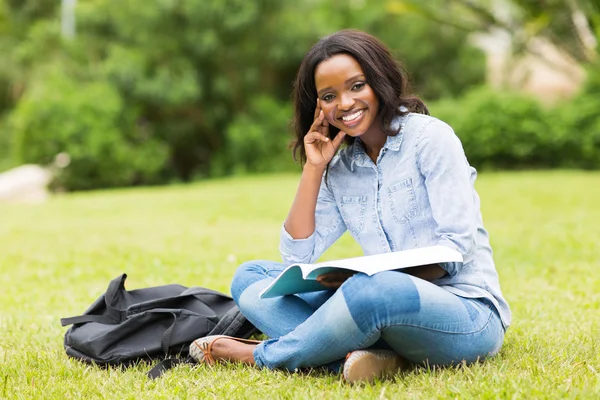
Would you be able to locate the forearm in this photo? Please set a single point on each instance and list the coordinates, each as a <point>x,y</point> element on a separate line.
<point>300,222</point>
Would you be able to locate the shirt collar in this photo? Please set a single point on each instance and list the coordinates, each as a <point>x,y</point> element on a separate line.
<point>359,155</point>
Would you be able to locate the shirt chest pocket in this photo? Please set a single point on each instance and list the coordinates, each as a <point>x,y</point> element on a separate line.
<point>353,210</point>
<point>402,200</point>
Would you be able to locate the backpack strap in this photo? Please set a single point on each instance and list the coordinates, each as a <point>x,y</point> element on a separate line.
<point>115,287</point>
<point>114,315</point>
<point>165,341</point>
<point>235,324</point>
<point>101,319</point>
<point>159,369</point>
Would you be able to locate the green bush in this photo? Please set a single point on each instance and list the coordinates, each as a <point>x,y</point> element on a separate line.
<point>258,140</point>
<point>578,125</point>
<point>91,123</point>
<point>500,129</point>
<point>445,67</point>
<point>504,130</point>
<point>6,159</point>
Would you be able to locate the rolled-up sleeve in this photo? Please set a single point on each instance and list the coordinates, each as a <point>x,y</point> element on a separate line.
<point>329,226</point>
<point>441,160</point>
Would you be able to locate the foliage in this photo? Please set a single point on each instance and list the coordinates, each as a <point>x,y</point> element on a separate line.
<point>57,258</point>
<point>89,122</point>
<point>438,57</point>
<point>183,82</point>
<point>505,130</point>
<point>258,140</point>
<point>578,125</point>
<point>499,129</point>
<point>198,88</point>
<point>18,19</point>
<point>198,73</point>
<point>6,158</point>
<point>569,24</point>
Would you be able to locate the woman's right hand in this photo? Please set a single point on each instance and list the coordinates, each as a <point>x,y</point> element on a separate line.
<point>317,145</point>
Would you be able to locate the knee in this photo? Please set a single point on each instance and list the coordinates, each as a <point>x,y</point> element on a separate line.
<point>384,292</point>
<point>248,273</point>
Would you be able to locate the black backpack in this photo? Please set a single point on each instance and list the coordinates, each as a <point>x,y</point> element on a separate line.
<point>124,327</point>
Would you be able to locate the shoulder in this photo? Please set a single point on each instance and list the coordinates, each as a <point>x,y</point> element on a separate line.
<point>420,125</point>
<point>424,130</point>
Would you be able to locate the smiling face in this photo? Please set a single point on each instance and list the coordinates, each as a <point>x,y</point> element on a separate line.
<point>346,98</point>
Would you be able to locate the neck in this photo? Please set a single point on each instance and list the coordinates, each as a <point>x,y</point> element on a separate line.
<point>373,141</point>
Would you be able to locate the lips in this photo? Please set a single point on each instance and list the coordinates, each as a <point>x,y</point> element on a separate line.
<point>352,118</point>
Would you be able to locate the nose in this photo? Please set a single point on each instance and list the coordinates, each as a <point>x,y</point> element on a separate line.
<point>346,102</point>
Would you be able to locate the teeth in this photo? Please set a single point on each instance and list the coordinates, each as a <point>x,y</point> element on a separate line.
<point>352,116</point>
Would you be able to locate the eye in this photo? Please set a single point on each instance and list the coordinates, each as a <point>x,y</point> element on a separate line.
<point>328,97</point>
<point>358,86</point>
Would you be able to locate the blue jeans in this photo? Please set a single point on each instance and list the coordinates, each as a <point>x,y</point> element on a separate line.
<point>420,321</point>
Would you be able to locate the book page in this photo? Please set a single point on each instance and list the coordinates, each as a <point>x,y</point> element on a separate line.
<point>300,278</point>
<point>389,261</point>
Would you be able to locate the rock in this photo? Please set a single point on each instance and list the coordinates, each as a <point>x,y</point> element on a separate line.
<point>25,184</point>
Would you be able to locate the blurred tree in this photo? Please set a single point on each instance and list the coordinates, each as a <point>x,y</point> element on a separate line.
<point>106,145</point>
<point>255,138</point>
<point>213,62</point>
<point>202,76</point>
<point>18,19</point>
<point>438,57</point>
<point>571,25</point>
<point>189,65</point>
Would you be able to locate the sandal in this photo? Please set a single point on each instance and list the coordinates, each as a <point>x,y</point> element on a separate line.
<point>201,348</point>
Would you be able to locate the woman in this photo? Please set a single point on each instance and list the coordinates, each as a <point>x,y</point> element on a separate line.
<point>401,182</point>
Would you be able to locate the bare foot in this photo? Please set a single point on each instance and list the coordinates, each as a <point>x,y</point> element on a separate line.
<point>232,350</point>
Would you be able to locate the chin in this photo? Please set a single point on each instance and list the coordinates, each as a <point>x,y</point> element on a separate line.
<point>354,133</point>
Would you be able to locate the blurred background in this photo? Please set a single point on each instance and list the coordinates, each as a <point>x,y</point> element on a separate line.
<point>114,93</point>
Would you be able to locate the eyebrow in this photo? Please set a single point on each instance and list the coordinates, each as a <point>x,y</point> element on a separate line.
<point>347,80</point>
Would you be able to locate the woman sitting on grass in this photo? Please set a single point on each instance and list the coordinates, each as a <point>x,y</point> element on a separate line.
<point>401,182</point>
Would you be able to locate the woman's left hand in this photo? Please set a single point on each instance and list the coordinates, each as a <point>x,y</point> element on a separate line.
<point>334,280</point>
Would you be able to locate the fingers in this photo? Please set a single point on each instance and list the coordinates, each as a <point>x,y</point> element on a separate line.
<point>338,139</point>
<point>318,121</point>
<point>335,276</point>
<point>334,280</point>
<point>320,115</point>
<point>329,281</point>
<point>317,109</point>
<point>315,136</point>
<point>324,127</point>
<point>331,285</point>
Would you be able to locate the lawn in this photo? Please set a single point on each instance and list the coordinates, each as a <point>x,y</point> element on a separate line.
<point>56,258</point>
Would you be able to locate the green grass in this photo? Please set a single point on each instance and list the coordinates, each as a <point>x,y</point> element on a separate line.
<point>55,259</point>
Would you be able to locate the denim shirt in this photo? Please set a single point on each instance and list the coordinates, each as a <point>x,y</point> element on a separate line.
<point>419,193</point>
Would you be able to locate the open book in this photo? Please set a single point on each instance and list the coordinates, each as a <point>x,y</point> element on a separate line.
<point>301,278</point>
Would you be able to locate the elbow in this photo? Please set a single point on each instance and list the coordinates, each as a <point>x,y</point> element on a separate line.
<point>463,242</point>
<point>465,245</point>
<point>452,268</point>
<point>289,257</point>
<point>296,250</point>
